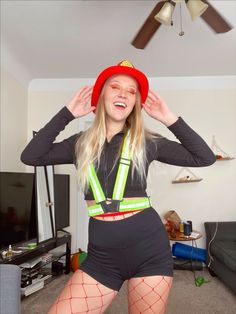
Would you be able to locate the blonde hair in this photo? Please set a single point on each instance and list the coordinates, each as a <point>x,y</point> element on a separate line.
<point>89,146</point>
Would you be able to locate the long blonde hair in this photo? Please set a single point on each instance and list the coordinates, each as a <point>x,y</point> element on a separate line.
<point>90,144</point>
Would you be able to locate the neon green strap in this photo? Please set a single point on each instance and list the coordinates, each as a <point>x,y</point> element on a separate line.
<point>135,204</point>
<point>95,210</point>
<point>128,205</point>
<point>123,170</point>
<point>121,177</point>
<point>119,187</point>
<point>95,185</point>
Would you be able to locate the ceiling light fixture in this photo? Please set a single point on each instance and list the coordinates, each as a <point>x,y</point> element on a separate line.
<point>163,12</point>
<point>164,16</point>
<point>196,8</point>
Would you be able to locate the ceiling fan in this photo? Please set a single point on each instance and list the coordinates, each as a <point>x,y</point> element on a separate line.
<point>162,14</point>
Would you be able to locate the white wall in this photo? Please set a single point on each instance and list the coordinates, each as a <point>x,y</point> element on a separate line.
<point>13,135</point>
<point>207,104</point>
<point>42,107</point>
<point>209,112</point>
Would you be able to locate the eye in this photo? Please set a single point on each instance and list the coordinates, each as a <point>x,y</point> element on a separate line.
<point>132,91</point>
<point>114,86</point>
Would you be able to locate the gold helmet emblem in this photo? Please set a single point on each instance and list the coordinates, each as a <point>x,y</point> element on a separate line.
<point>126,63</point>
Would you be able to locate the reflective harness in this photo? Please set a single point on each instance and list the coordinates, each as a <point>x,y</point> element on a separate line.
<point>117,203</point>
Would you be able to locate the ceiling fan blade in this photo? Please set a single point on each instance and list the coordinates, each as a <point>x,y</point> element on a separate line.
<point>148,29</point>
<point>215,20</point>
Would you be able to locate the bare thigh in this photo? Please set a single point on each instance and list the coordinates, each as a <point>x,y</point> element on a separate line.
<point>148,295</point>
<point>83,294</point>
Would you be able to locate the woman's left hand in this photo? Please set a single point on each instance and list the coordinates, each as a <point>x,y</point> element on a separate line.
<point>158,109</point>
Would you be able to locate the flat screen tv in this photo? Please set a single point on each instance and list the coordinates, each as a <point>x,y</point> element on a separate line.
<point>62,200</point>
<point>17,208</point>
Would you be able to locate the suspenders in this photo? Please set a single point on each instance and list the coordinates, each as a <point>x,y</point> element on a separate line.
<point>116,204</point>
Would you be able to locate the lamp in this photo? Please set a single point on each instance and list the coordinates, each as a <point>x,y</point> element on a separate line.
<point>196,8</point>
<point>164,16</point>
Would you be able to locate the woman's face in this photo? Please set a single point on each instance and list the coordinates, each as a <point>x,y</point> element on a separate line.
<point>119,97</point>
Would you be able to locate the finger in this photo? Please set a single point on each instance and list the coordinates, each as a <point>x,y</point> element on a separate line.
<point>83,98</point>
<point>84,92</point>
<point>86,97</point>
<point>158,97</point>
<point>80,91</point>
<point>90,109</point>
<point>154,93</point>
<point>147,104</point>
<point>154,96</point>
<point>147,110</point>
<point>147,107</point>
<point>87,94</point>
<point>151,100</point>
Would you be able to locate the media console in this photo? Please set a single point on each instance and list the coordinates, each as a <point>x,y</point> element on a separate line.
<point>41,263</point>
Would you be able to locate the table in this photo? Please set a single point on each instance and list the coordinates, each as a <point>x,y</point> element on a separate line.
<point>180,263</point>
<point>181,237</point>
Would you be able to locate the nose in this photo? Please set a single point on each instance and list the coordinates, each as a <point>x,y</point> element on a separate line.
<point>122,93</point>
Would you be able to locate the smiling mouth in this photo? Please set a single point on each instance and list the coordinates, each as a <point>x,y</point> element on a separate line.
<point>120,105</point>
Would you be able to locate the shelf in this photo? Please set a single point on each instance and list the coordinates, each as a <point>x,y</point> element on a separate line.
<point>219,152</point>
<point>33,279</point>
<point>191,177</point>
<point>42,248</point>
<point>41,264</point>
<point>179,236</point>
<point>37,284</point>
<point>187,181</point>
<point>224,158</point>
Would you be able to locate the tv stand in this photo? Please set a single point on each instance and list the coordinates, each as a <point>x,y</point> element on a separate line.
<point>34,260</point>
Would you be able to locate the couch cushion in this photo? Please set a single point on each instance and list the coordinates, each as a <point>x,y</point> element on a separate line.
<point>225,251</point>
<point>10,289</point>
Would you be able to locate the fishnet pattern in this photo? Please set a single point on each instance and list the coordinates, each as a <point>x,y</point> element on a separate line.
<point>148,294</point>
<point>83,294</point>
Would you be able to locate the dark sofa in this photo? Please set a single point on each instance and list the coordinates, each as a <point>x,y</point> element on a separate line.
<point>221,251</point>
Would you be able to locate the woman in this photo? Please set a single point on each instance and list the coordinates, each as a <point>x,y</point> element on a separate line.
<point>127,240</point>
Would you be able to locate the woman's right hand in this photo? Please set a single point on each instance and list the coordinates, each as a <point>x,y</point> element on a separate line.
<point>78,104</point>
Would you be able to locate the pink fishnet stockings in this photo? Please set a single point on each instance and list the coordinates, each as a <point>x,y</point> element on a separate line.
<point>148,294</point>
<point>83,294</point>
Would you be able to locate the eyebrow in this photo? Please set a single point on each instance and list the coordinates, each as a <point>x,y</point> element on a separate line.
<point>115,81</point>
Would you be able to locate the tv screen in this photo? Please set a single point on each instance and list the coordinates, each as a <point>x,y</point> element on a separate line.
<point>17,208</point>
<point>62,200</point>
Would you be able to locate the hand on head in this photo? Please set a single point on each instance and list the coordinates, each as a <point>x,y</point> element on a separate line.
<point>158,109</point>
<point>78,104</point>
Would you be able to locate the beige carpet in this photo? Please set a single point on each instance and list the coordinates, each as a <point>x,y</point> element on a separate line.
<point>185,298</point>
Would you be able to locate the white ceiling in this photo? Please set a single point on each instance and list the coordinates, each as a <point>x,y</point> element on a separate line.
<point>74,39</point>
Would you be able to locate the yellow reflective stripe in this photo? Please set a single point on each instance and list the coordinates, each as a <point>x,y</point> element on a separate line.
<point>95,210</point>
<point>95,185</point>
<point>123,170</point>
<point>125,149</point>
<point>135,204</point>
<point>120,184</point>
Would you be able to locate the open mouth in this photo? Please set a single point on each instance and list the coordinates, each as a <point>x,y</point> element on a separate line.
<point>120,105</point>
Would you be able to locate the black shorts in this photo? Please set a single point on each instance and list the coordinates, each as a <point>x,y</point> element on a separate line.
<point>136,246</point>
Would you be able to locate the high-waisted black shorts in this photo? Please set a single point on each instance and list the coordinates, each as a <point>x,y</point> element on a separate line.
<point>136,246</point>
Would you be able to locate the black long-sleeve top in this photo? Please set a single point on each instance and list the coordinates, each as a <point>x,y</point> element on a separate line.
<point>192,151</point>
